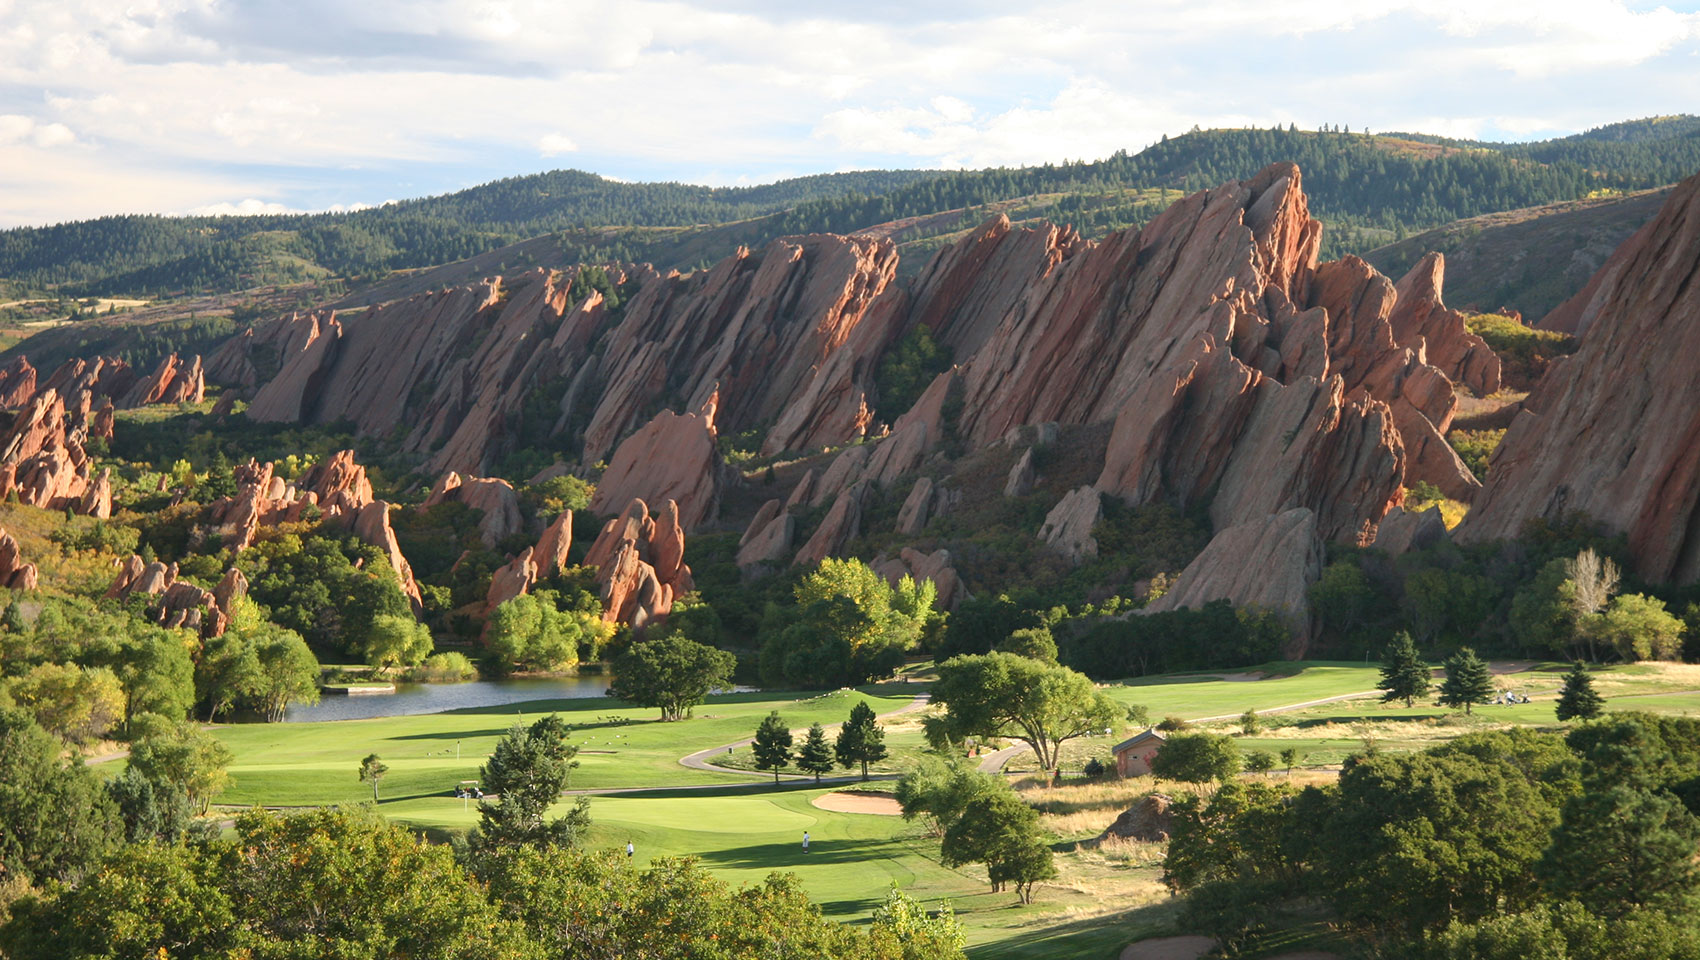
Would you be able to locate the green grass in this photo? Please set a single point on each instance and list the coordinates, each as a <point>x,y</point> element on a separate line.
<point>316,763</point>
<point>1204,695</point>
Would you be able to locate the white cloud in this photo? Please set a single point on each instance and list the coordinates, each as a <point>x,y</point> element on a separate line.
<point>555,144</point>
<point>458,91</point>
<point>241,208</point>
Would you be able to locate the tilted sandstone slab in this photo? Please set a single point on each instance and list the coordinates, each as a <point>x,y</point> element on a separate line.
<point>179,603</point>
<point>755,328</point>
<point>15,574</point>
<point>625,556</point>
<point>17,383</point>
<point>173,381</point>
<point>1068,527</point>
<point>1614,430</point>
<point>1403,531</point>
<point>842,523</point>
<point>1461,355</point>
<point>493,497</point>
<point>1268,564</point>
<point>674,457</point>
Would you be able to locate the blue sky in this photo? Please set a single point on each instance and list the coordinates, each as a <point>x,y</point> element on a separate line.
<point>174,106</point>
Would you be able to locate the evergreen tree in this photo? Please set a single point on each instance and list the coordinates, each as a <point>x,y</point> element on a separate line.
<point>527,771</point>
<point>1467,680</point>
<point>815,756</point>
<point>1579,699</point>
<point>1404,676</point>
<point>772,745</point>
<point>860,740</point>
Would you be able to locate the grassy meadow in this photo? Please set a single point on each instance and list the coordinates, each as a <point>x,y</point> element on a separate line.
<point>743,827</point>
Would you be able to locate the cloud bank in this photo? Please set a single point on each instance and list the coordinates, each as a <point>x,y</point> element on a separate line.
<point>238,105</point>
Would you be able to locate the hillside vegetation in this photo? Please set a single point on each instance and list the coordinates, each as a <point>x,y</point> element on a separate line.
<point>1370,189</point>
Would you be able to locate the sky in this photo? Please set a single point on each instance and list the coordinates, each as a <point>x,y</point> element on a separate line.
<point>227,106</point>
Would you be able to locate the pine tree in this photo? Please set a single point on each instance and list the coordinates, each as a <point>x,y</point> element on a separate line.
<point>1404,676</point>
<point>860,740</point>
<point>1578,699</point>
<point>772,745</point>
<point>815,756</point>
<point>1467,680</point>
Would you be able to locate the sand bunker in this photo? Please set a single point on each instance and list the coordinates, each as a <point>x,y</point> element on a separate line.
<point>1169,948</point>
<point>843,801</point>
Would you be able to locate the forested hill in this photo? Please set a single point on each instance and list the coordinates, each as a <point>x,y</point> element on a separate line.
<point>158,255</point>
<point>1369,189</point>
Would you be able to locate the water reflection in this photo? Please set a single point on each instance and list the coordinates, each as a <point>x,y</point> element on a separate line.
<point>412,698</point>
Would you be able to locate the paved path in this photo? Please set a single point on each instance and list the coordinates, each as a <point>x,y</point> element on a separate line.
<point>699,760</point>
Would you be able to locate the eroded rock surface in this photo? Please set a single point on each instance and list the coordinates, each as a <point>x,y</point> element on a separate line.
<point>1614,430</point>
<point>1267,564</point>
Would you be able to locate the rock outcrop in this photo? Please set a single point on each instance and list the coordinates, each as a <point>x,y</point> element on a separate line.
<point>1614,430</point>
<point>938,566</point>
<point>841,525</point>
<point>1403,531</point>
<point>1268,564</point>
<point>1068,527</point>
<point>179,603</point>
<point>173,381</point>
<point>15,574</point>
<point>768,540</point>
<point>493,497</point>
<point>17,383</point>
<point>42,459</point>
<point>639,564</point>
<point>674,457</point>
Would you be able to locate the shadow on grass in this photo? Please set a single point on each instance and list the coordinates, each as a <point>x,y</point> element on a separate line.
<point>1096,937</point>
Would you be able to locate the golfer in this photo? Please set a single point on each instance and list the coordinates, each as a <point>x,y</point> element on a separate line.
<point>805,841</point>
<point>630,850</point>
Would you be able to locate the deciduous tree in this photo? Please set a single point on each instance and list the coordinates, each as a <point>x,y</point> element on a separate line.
<point>1004,695</point>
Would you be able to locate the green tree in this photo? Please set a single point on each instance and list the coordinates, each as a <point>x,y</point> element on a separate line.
<point>372,770</point>
<point>1620,847</point>
<point>181,754</point>
<point>527,771</point>
<point>77,703</point>
<point>1260,761</point>
<point>157,674</point>
<point>1004,695</point>
<point>860,740</point>
<point>1290,759</point>
<point>1196,758</point>
<point>772,744</point>
<point>1250,723</point>
<point>1637,627</point>
<point>815,755</point>
<point>56,821</point>
<point>532,633</point>
<point>289,673</point>
<point>228,672</point>
<point>848,626</point>
<point>1342,599</point>
<point>1035,643</point>
<point>1467,680</point>
<point>671,672</point>
<point>397,642</point>
<point>1404,676</point>
<point>922,935</point>
<point>150,810</point>
<point>941,789</point>
<point>1000,831</point>
<point>1578,699</point>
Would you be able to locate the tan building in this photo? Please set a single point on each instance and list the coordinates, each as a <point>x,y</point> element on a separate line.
<point>1134,755</point>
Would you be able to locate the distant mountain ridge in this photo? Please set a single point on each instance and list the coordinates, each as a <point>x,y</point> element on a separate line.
<point>1369,189</point>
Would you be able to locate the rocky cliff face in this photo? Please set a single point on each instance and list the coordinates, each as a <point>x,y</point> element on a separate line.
<point>179,603</point>
<point>1614,431</point>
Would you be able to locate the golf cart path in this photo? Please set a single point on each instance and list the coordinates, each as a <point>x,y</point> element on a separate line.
<point>994,762</point>
<point>699,760</point>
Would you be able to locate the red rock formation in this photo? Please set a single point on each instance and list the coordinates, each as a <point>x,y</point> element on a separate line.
<point>238,362</point>
<point>553,546</point>
<point>104,420</point>
<point>841,525</point>
<point>97,501</point>
<point>180,603</point>
<point>371,523</point>
<point>631,555</point>
<point>514,579</point>
<point>1614,430</point>
<point>912,516</point>
<point>1068,527</point>
<point>1268,563</point>
<point>1461,355</point>
<point>17,383</point>
<point>492,496</point>
<point>1402,531</point>
<point>101,377</point>
<point>768,540</point>
<point>15,574</point>
<point>674,457</point>
<point>756,329</point>
<point>338,485</point>
<point>173,381</point>
<point>936,566</point>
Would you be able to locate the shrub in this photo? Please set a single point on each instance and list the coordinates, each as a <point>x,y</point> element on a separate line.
<point>451,667</point>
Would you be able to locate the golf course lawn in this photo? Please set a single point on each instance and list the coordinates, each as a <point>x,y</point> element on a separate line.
<point>743,833</point>
<point>1192,696</point>
<point>316,763</point>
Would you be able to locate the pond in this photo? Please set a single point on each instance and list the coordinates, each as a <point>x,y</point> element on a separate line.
<point>411,698</point>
